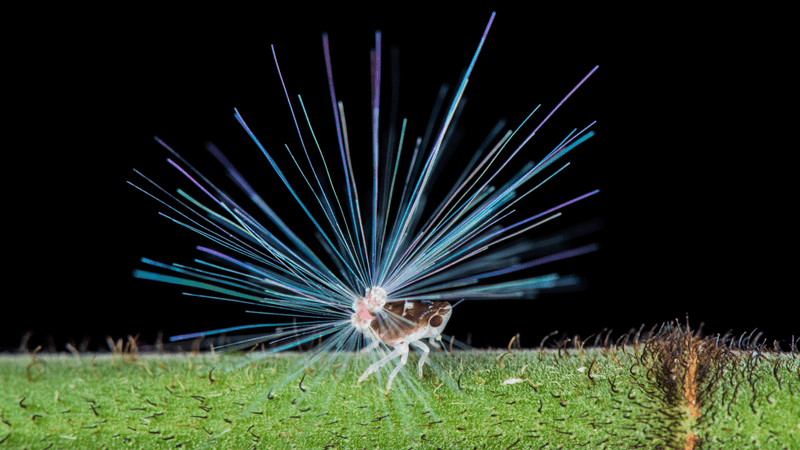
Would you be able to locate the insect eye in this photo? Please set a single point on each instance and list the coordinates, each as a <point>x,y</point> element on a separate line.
<point>435,321</point>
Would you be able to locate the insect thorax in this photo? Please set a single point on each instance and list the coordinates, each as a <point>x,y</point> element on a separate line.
<point>393,322</point>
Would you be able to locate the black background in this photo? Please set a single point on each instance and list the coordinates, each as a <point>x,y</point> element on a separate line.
<point>688,191</point>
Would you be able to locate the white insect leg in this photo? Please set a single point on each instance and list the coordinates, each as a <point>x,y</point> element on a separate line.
<point>377,365</point>
<point>372,346</point>
<point>424,357</point>
<point>403,349</point>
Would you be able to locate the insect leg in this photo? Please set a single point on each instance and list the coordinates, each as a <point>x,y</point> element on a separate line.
<point>424,357</point>
<point>372,346</point>
<point>403,349</point>
<point>377,365</point>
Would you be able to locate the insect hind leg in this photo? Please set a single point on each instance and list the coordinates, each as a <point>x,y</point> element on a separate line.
<point>382,362</point>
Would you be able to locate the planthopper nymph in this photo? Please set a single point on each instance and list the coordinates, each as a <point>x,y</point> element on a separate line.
<point>384,264</point>
<point>399,325</point>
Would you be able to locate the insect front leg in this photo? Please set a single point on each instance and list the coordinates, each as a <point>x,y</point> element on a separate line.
<point>424,357</point>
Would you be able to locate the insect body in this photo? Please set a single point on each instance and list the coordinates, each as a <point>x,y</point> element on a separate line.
<point>398,325</point>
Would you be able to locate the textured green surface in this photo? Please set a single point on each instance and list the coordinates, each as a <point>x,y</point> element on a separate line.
<point>597,398</point>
